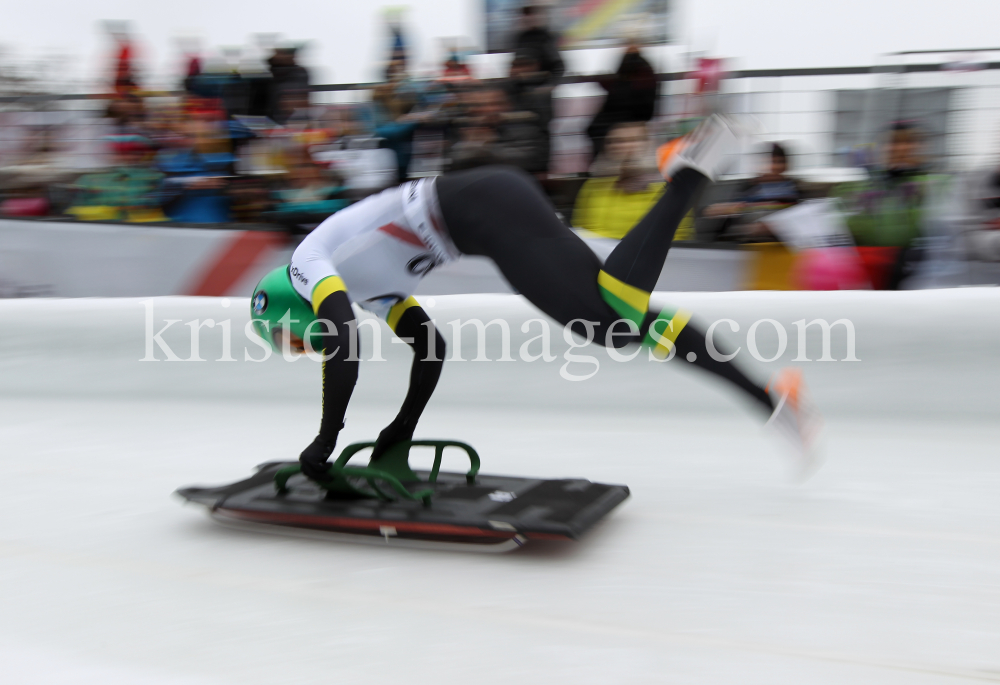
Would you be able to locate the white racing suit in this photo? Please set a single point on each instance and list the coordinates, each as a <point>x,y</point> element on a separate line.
<point>380,247</point>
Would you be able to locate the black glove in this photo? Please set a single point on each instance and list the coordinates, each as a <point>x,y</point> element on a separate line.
<point>397,431</point>
<point>314,458</point>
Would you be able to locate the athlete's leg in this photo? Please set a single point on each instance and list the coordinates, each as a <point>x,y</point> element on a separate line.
<point>502,214</point>
<point>691,348</point>
<point>698,160</point>
<point>630,274</point>
<point>411,324</point>
<point>633,267</point>
<point>340,371</point>
<point>638,259</point>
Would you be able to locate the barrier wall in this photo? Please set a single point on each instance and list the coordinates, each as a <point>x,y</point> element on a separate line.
<point>921,353</point>
<point>66,259</point>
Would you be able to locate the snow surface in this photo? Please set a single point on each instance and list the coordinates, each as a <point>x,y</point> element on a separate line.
<point>884,568</point>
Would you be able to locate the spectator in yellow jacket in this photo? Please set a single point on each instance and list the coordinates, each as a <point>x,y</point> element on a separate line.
<point>624,184</point>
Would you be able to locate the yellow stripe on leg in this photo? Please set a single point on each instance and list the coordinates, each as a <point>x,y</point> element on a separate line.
<point>396,311</point>
<point>325,288</point>
<point>634,297</point>
<point>665,341</point>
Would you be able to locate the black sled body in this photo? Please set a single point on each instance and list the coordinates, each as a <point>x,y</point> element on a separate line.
<point>493,513</point>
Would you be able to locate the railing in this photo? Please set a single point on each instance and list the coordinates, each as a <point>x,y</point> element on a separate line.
<point>825,113</point>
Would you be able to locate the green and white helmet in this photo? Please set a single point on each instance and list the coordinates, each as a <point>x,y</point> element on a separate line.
<point>276,306</point>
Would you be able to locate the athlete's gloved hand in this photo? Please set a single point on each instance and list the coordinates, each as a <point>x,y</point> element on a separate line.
<point>397,431</point>
<point>314,458</point>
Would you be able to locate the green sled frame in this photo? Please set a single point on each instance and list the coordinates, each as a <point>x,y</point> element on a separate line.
<point>393,469</point>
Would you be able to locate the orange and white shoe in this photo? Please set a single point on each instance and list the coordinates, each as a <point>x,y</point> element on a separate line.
<point>797,421</point>
<point>711,149</point>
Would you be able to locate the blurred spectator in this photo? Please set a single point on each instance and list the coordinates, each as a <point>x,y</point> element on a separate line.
<point>162,122</point>
<point>220,83</point>
<point>772,190</point>
<point>491,133</point>
<point>309,189</point>
<point>624,184</point>
<point>249,199</point>
<point>365,167</point>
<point>455,68</point>
<point>125,78</point>
<point>255,72</point>
<point>196,163</point>
<point>887,213</point>
<point>535,38</point>
<point>392,115</point>
<point>352,154</point>
<point>192,62</point>
<point>980,214</point>
<point>129,191</point>
<point>24,196</point>
<point>25,184</point>
<point>397,48</point>
<point>631,96</point>
<point>289,81</point>
<point>529,91</point>
<point>128,116</point>
<point>300,115</point>
<point>310,195</point>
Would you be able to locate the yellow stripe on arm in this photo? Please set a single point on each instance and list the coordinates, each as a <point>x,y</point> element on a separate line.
<point>396,311</point>
<point>325,288</point>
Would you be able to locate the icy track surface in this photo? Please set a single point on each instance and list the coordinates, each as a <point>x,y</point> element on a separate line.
<point>884,568</point>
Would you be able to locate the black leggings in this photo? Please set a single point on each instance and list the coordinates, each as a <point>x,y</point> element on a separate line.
<point>501,213</point>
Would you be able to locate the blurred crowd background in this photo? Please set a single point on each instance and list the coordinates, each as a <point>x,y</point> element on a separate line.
<point>860,178</point>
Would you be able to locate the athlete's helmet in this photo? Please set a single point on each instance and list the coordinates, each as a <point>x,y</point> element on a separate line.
<point>276,305</point>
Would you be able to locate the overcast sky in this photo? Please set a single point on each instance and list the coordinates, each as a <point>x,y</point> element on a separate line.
<point>347,38</point>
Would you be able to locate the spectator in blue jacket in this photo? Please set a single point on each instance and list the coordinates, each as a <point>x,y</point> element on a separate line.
<point>196,179</point>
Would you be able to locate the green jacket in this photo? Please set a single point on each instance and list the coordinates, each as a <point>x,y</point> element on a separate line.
<point>889,210</point>
<point>125,186</point>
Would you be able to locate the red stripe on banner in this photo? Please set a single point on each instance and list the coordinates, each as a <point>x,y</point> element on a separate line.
<point>399,232</point>
<point>233,261</point>
<point>585,7</point>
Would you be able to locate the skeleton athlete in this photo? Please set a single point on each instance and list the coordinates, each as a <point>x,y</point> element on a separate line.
<point>375,253</point>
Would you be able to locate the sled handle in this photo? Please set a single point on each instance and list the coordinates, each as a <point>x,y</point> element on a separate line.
<point>438,445</point>
<point>339,470</point>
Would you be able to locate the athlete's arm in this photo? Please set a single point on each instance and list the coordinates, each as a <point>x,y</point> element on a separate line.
<point>412,325</point>
<point>340,371</point>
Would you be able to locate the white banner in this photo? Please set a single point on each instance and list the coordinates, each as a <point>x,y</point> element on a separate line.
<point>68,259</point>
